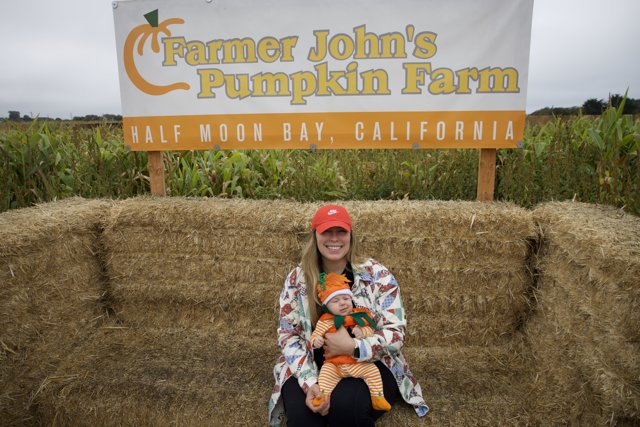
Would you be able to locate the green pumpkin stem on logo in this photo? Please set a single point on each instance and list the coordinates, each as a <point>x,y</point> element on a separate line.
<point>152,18</point>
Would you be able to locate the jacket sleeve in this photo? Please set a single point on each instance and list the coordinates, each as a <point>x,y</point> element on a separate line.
<point>388,311</point>
<point>291,333</point>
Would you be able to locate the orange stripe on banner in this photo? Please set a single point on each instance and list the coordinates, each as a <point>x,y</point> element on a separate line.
<point>457,129</point>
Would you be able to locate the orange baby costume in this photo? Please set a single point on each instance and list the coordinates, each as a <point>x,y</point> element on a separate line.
<point>344,366</point>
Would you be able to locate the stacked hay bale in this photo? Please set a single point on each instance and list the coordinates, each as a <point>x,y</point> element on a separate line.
<point>586,334</point>
<point>50,292</point>
<point>197,263</point>
<point>169,315</point>
<point>194,287</point>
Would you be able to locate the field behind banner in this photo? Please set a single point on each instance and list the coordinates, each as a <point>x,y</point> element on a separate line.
<point>586,159</point>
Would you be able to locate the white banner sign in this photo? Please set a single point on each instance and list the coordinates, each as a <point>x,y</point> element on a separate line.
<point>248,74</point>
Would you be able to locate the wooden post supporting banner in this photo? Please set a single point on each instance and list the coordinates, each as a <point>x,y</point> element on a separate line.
<point>486,174</point>
<point>156,173</point>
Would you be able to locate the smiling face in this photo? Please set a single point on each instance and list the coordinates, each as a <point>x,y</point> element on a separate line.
<point>333,245</point>
<point>340,305</point>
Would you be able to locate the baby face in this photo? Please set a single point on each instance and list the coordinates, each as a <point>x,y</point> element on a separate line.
<point>340,305</point>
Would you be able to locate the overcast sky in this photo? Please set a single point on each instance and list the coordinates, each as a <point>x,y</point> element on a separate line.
<point>59,57</point>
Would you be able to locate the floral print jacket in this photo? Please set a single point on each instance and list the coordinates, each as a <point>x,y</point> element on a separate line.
<point>374,288</point>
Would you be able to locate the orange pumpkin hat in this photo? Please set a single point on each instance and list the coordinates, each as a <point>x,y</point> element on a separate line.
<point>332,285</point>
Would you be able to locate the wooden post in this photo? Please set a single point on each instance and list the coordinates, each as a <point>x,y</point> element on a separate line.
<point>156,173</point>
<point>486,174</point>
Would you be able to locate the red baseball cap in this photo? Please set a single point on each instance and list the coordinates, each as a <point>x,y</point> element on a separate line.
<point>331,216</point>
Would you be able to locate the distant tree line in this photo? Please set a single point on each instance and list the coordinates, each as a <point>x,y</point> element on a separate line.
<point>102,118</point>
<point>16,117</point>
<point>593,107</point>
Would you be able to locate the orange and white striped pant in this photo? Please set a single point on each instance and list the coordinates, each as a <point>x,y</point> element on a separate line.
<point>331,374</point>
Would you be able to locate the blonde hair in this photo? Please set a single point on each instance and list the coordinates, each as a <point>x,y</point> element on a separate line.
<point>311,263</point>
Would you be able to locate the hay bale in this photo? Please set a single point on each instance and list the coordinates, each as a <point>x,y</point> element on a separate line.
<point>194,284</point>
<point>179,252</point>
<point>179,214</point>
<point>23,229</point>
<point>584,371</point>
<point>481,252</point>
<point>607,360</point>
<point>210,265</point>
<point>464,305</point>
<point>602,238</point>
<point>591,264</point>
<point>561,393</point>
<point>462,266</point>
<point>146,376</point>
<point>158,376</point>
<point>606,228</point>
<point>49,294</point>
<point>441,219</point>
<point>486,411</point>
<point>603,298</point>
<point>195,261</point>
<point>469,385</point>
<point>233,307</point>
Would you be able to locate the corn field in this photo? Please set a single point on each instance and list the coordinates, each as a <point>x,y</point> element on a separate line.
<point>582,158</point>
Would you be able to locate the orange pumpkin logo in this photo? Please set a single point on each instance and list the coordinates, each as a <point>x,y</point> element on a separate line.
<point>143,33</point>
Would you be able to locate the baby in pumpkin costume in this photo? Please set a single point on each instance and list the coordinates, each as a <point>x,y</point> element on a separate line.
<point>336,298</point>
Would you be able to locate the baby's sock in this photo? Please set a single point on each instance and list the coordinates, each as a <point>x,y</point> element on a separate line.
<point>380,403</point>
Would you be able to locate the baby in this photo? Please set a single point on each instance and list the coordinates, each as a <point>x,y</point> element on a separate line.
<point>336,298</point>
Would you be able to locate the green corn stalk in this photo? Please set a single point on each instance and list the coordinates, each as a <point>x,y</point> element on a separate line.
<point>617,139</point>
<point>582,158</point>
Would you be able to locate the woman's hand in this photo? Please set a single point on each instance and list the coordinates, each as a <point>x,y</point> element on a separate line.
<point>314,392</point>
<point>338,343</point>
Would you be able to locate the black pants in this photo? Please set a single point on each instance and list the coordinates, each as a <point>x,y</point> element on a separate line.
<point>350,401</point>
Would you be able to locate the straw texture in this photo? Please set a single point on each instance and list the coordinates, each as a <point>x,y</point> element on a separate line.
<point>160,311</point>
<point>50,292</point>
<point>183,262</point>
<point>589,291</point>
<point>204,268</point>
<point>133,376</point>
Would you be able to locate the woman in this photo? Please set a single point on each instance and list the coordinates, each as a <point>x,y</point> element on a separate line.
<point>331,249</point>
